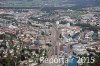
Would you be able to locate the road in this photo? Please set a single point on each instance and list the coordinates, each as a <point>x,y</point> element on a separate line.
<point>54,50</point>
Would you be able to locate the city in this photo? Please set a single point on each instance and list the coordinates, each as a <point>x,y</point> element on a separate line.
<point>48,34</point>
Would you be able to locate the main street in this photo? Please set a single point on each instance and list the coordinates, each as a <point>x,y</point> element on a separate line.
<point>54,50</point>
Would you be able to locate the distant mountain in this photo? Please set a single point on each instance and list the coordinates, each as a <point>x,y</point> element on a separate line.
<point>85,2</point>
<point>52,3</point>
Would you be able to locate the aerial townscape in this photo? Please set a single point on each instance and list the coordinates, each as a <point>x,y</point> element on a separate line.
<point>49,33</point>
